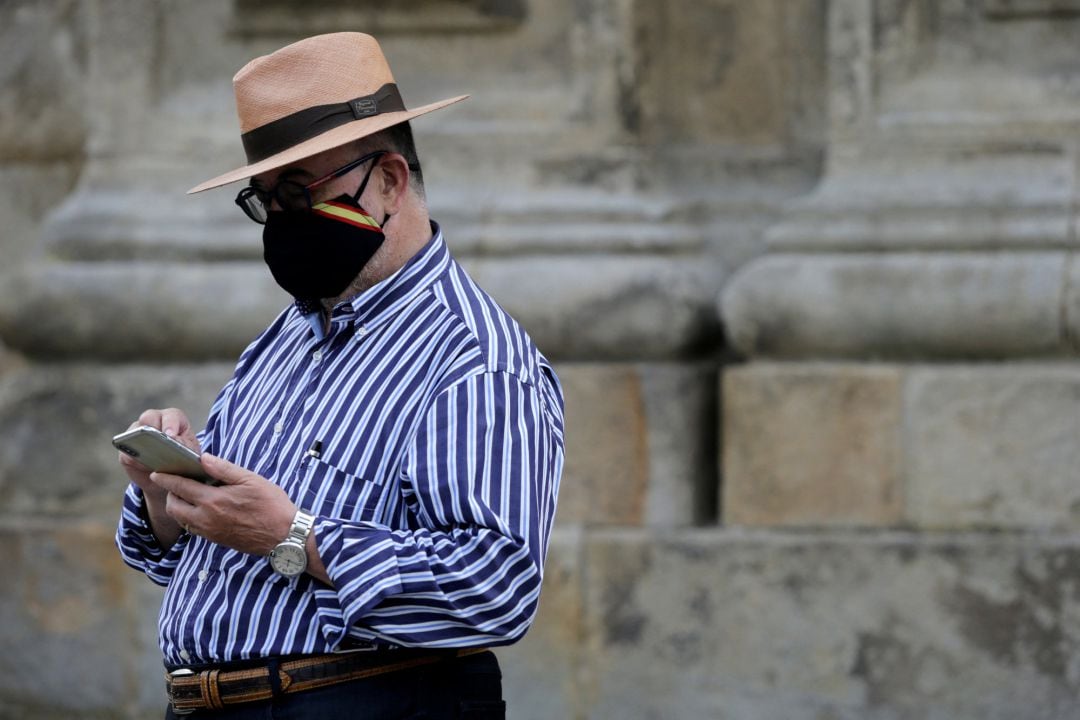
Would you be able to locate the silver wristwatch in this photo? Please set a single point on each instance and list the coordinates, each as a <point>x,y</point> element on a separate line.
<point>289,558</point>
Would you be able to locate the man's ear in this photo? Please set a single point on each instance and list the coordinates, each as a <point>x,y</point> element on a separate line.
<point>394,175</point>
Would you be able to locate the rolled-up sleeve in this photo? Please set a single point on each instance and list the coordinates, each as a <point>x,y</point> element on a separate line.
<point>481,477</point>
<point>138,546</point>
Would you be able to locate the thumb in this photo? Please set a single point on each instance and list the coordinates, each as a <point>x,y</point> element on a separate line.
<point>224,471</point>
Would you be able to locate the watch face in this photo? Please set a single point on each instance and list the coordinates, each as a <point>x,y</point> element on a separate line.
<point>288,559</point>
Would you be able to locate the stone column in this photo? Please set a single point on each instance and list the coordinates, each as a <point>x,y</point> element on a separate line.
<point>910,338</point>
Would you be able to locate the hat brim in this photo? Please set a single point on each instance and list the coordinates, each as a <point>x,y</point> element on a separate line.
<point>328,140</point>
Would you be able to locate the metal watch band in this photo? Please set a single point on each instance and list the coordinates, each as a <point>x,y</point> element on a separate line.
<point>301,527</point>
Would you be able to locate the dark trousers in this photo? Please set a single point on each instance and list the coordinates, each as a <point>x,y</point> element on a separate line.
<point>466,688</point>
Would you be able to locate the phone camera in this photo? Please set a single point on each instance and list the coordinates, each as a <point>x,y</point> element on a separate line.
<point>128,451</point>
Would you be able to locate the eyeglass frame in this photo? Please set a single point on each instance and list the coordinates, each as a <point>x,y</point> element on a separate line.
<point>273,193</point>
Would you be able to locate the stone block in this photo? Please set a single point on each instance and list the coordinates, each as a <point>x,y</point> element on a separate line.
<point>542,672</point>
<point>811,444</point>
<point>79,627</point>
<point>762,82</point>
<point>42,84</point>
<point>640,445</point>
<point>913,305</point>
<point>993,446</point>
<point>847,626</point>
<point>58,420</point>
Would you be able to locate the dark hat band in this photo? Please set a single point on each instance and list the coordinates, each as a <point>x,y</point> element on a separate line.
<point>284,133</point>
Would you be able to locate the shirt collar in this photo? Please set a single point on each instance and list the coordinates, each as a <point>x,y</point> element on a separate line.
<point>386,298</point>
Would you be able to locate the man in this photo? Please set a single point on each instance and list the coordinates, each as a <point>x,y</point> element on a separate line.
<point>387,453</point>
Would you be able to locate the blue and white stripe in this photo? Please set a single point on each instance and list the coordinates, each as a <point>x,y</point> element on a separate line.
<point>442,447</point>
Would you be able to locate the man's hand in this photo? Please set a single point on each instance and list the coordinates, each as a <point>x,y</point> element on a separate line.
<point>246,512</point>
<point>175,424</point>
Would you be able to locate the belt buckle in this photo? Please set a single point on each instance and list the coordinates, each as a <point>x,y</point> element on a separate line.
<point>179,672</point>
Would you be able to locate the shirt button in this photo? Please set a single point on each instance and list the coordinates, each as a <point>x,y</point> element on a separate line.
<point>278,427</point>
<point>361,331</point>
<point>185,655</point>
<point>203,575</point>
<point>317,355</point>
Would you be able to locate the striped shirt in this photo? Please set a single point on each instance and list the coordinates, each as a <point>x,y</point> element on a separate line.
<point>441,431</point>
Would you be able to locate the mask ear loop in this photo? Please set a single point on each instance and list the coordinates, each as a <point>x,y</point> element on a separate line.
<point>363,185</point>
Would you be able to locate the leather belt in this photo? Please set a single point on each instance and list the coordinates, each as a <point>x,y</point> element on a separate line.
<point>214,688</point>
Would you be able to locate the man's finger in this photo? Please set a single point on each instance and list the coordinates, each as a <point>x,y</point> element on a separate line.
<point>191,491</point>
<point>149,417</point>
<point>174,422</point>
<point>180,510</point>
<point>223,470</point>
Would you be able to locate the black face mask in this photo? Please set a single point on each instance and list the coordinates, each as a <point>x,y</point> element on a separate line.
<point>317,254</point>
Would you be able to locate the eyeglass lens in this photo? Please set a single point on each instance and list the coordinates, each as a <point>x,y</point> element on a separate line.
<point>256,203</point>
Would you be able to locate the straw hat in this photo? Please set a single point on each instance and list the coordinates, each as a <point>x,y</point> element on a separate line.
<point>314,95</point>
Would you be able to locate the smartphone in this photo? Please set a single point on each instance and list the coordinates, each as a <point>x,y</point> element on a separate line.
<point>161,453</point>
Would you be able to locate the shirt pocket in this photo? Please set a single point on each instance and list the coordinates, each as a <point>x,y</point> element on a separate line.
<point>332,492</point>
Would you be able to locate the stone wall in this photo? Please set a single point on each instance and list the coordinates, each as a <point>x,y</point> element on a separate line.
<point>810,290</point>
<point>906,421</point>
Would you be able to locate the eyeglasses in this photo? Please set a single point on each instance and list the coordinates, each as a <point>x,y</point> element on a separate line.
<point>293,196</point>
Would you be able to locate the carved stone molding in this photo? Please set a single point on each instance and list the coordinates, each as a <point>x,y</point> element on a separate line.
<point>1007,9</point>
<point>264,18</point>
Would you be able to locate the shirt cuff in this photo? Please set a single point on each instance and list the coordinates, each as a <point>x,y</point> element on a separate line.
<point>361,561</point>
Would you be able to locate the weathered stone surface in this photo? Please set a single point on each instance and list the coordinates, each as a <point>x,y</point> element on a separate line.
<point>42,82</point>
<point>633,307</point>
<point>27,193</point>
<point>125,45</point>
<point>58,421</point>
<point>1071,303</point>
<point>79,627</point>
<point>949,127</point>
<point>993,447</point>
<point>735,625</point>
<point>279,17</point>
<point>916,305</point>
<point>542,673</point>
<point>640,445</point>
<point>920,72</point>
<point>608,308</point>
<point>762,87</point>
<point>10,362</point>
<point>936,198</point>
<point>138,311</point>
<point>1031,8</point>
<point>807,444</point>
